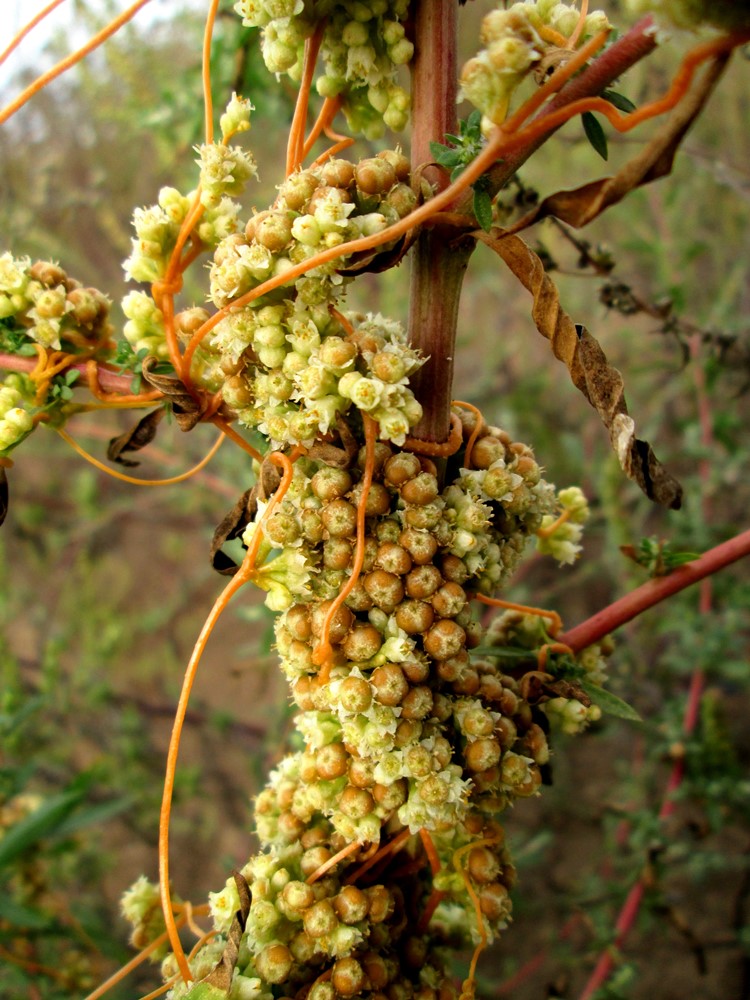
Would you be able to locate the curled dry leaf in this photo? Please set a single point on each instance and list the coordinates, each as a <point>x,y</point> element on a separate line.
<point>232,526</point>
<point>234,523</point>
<point>136,438</point>
<point>591,373</point>
<point>220,976</point>
<point>186,408</point>
<point>579,207</point>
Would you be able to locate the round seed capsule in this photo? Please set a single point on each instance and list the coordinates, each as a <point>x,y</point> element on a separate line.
<point>402,467</point>
<point>361,772</point>
<point>337,553</point>
<point>385,589</point>
<point>320,919</point>
<point>417,704</point>
<point>423,581</point>
<point>444,639</point>
<point>339,518</point>
<point>298,896</point>
<point>362,642</point>
<point>348,977</point>
<point>393,558</point>
<point>330,484</point>
<point>420,545</point>
<point>414,617</point>
<point>331,761</point>
<point>274,963</point>
<point>355,694</point>
<point>389,684</point>
<point>351,905</point>
<point>313,858</point>
<point>449,600</point>
<point>423,489</point>
<point>356,803</point>
<point>381,903</point>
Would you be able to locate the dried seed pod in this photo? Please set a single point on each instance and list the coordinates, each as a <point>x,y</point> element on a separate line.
<point>385,589</point>
<point>389,684</point>
<point>444,639</point>
<point>351,905</point>
<point>393,558</point>
<point>423,581</point>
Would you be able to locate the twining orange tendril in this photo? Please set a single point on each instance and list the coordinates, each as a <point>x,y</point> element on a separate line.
<point>161,990</point>
<point>503,140</point>
<point>132,479</point>
<point>244,573</point>
<point>552,528</point>
<point>578,30</point>
<point>440,449</point>
<point>385,850</point>
<point>442,200</point>
<point>133,964</point>
<point>342,142</point>
<point>495,602</point>
<point>342,321</point>
<point>467,990</point>
<point>115,398</point>
<point>226,428</point>
<point>558,79</point>
<point>331,107</point>
<point>479,420</point>
<point>208,104</point>
<point>430,850</point>
<point>625,122</point>
<point>16,41</point>
<point>296,141</point>
<point>434,900</point>
<point>334,860</point>
<point>551,647</point>
<point>323,652</point>
<point>65,64</point>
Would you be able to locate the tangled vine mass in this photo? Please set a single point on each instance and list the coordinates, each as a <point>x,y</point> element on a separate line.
<point>419,721</point>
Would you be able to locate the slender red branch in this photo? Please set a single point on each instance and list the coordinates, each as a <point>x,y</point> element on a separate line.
<point>655,591</point>
<point>108,380</point>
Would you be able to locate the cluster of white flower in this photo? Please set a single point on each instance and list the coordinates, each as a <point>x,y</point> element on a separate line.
<point>517,40</point>
<point>563,541</point>
<point>44,304</point>
<point>15,421</point>
<point>363,46</point>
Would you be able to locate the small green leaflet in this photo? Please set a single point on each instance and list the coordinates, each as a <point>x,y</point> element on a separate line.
<point>483,207</point>
<point>609,703</point>
<point>619,101</point>
<point>465,147</point>
<point>595,133</point>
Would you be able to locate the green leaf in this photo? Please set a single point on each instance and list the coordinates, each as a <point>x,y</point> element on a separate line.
<point>621,102</point>
<point>93,816</point>
<point>43,822</point>
<point>505,652</point>
<point>20,916</point>
<point>595,133</point>
<point>609,703</point>
<point>483,209</point>
<point>445,156</point>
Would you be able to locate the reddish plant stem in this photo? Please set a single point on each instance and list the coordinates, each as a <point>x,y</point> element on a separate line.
<point>109,381</point>
<point>437,265</point>
<point>655,591</point>
<point>629,912</point>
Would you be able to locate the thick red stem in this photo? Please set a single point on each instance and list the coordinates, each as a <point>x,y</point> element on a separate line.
<point>655,591</point>
<point>437,264</point>
<point>109,381</point>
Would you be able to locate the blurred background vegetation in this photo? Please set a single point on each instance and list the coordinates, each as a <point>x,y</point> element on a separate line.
<point>104,586</point>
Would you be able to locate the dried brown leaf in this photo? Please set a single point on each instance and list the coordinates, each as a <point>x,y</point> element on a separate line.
<point>187,410</point>
<point>230,527</point>
<point>580,206</point>
<point>136,438</point>
<point>221,975</point>
<point>591,373</point>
